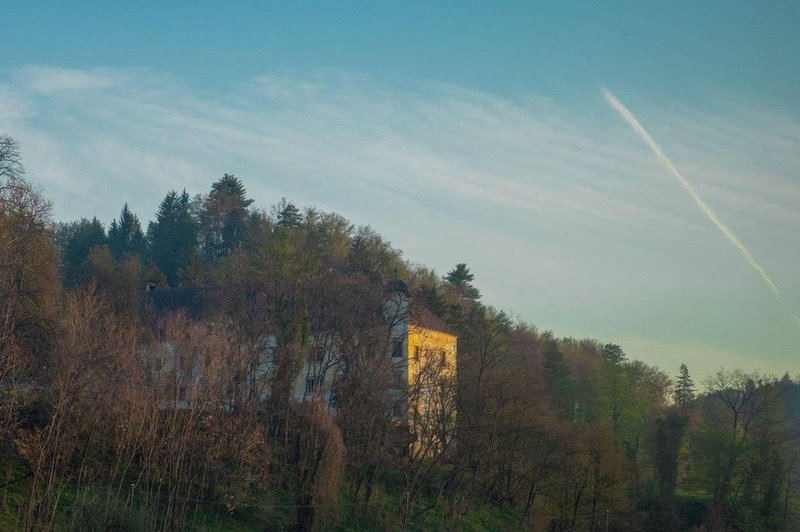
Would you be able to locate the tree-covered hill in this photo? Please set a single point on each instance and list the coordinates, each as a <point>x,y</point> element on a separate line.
<point>99,322</point>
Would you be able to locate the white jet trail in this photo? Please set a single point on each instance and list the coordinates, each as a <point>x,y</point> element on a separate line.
<point>707,210</point>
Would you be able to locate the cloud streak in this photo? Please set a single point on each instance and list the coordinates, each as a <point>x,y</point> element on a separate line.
<point>561,217</point>
<point>50,80</point>
<point>726,231</point>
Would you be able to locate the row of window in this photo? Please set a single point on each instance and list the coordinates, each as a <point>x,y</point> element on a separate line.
<point>397,352</point>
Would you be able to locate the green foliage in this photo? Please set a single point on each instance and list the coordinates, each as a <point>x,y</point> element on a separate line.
<point>173,236</point>
<point>559,380</point>
<point>125,236</point>
<point>75,241</point>
<point>288,215</point>
<point>369,252</point>
<point>327,237</point>
<point>616,384</point>
<point>461,279</point>
<point>744,455</point>
<point>665,441</point>
<point>460,275</point>
<point>99,513</point>
<point>613,354</point>
<point>109,421</point>
<point>684,388</point>
<point>224,218</point>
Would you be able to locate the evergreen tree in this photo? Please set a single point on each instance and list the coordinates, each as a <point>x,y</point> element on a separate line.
<point>173,236</point>
<point>613,353</point>
<point>75,241</point>
<point>126,237</point>
<point>461,278</point>
<point>288,214</point>
<point>684,388</point>
<point>224,217</point>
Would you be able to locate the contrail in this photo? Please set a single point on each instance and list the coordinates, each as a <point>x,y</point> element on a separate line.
<point>707,210</point>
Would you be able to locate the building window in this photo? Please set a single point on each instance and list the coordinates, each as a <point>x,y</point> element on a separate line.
<point>417,352</point>
<point>397,349</point>
<point>396,410</point>
<point>443,355</point>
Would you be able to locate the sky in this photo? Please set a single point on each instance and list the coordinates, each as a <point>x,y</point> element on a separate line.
<point>472,132</point>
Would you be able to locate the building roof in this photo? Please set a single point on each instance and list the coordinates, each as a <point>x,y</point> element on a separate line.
<point>396,285</point>
<point>422,317</point>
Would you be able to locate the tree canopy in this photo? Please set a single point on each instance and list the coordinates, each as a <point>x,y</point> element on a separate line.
<point>125,237</point>
<point>172,236</point>
<point>225,217</point>
<point>461,279</point>
<point>177,407</point>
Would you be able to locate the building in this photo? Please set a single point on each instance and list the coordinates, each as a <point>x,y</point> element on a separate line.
<point>415,346</point>
<point>430,362</point>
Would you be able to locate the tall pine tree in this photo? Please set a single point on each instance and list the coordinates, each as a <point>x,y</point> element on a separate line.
<point>288,214</point>
<point>461,279</point>
<point>125,237</point>
<point>173,236</point>
<point>225,217</point>
<point>75,241</point>
<point>684,388</point>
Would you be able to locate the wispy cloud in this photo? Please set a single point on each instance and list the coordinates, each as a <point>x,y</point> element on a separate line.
<point>530,191</point>
<point>531,155</point>
<point>50,80</point>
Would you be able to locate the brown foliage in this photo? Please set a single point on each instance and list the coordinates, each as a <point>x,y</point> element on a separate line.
<point>94,354</point>
<point>29,286</point>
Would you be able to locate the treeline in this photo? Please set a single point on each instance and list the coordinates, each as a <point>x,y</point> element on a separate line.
<point>551,434</point>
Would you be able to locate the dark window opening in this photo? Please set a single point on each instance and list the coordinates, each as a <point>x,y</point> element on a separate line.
<point>397,349</point>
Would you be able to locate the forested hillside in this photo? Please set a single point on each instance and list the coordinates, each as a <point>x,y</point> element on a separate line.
<point>552,433</point>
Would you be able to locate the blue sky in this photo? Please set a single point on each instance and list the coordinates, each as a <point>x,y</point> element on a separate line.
<point>469,132</point>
